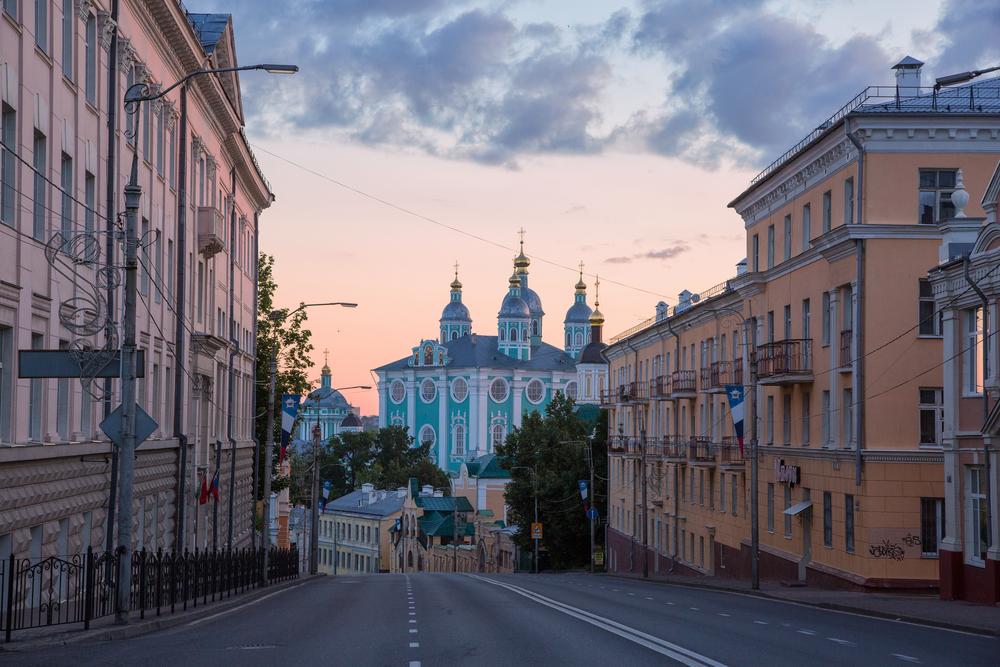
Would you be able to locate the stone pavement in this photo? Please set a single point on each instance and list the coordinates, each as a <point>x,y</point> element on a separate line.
<point>104,628</point>
<point>921,609</point>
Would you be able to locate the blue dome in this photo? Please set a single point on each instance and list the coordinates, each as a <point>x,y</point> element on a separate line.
<point>326,398</point>
<point>456,311</point>
<point>514,306</point>
<point>578,313</point>
<point>533,301</point>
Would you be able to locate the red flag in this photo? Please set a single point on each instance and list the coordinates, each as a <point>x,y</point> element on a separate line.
<point>215,487</point>
<point>203,498</point>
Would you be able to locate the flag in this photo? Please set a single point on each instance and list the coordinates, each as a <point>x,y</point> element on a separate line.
<point>735,394</point>
<point>215,487</point>
<point>326,488</point>
<point>289,410</point>
<point>203,498</point>
<point>583,488</point>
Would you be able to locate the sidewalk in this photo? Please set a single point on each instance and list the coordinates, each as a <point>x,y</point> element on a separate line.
<point>920,609</point>
<point>104,628</point>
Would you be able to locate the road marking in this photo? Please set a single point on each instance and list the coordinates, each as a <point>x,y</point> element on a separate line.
<point>663,647</point>
<point>615,590</point>
<point>842,641</point>
<point>761,622</point>
<point>412,620</point>
<point>244,606</point>
<point>906,657</point>
<point>413,613</point>
<point>414,663</point>
<point>414,645</point>
<point>413,631</point>
<point>649,598</point>
<point>694,609</point>
<point>806,632</point>
<point>727,615</point>
<point>631,593</point>
<point>671,604</point>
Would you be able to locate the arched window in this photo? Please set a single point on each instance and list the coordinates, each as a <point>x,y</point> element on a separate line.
<point>420,562</point>
<point>497,435</point>
<point>397,392</point>
<point>458,448</point>
<point>428,390</point>
<point>534,327</point>
<point>567,339</point>
<point>409,559</point>
<point>440,357</point>
<point>443,336</point>
<point>427,435</point>
<point>571,391</point>
<point>524,335</point>
<point>503,334</point>
<point>588,386</point>
<point>535,391</point>
<point>513,334</point>
<point>428,356</point>
<point>579,338</point>
<point>498,390</point>
<point>588,338</point>
<point>454,335</point>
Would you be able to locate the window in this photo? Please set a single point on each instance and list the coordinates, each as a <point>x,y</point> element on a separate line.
<point>67,39</point>
<point>535,391</point>
<point>805,419</point>
<point>66,196</point>
<point>973,355</point>
<point>130,132</point>
<point>701,487</point>
<point>38,213</point>
<point>930,321</point>
<point>458,447</point>
<point>825,333</point>
<point>572,391</point>
<point>10,6</point>
<point>692,487</point>
<point>849,201</point>
<point>159,140</point>
<point>722,492</point>
<point>498,390</point>
<point>736,492</point>
<point>849,523</point>
<point>8,169</point>
<point>89,200</point>
<point>397,391</point>
<point>770,507</point>
<point>806,227</point>
<point>786,418</point>
<point>827,519</point>
<point>498,433</point>
<point>770,247</point>
<point>770,420</point>
<point>62,401</point>
<point>35,397</point>
<point>788,517</point>
<point>827,211</point>
<point>788,322</point>
<point>201,289</point>
<point>755,253</point>
<point>931,526</point>
<point>42,24</point>
<point>806,334</point>
<point>978,528</point>
<point>931,417</point>
<point>427,435</point>
<point>158,265</point>
<point>170,157</point>
<point>428,391</point>
<point>146,120</point>
<point>788,238</point>
<point>459,389</point>
<point>936,188</point>
<point>90,64</point>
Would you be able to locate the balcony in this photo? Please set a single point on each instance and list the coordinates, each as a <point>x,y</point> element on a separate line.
<point>730,455</point>
<point>701,453</point>
<point>675,449</point>
<point>721,373</point>
<point>616,444</point>
<point>846,339</point>
<point>211,231</point>
<point>659,388</point>
<point>785,362</point>
<point>609,398</point>
<point>633,392</point>
<point>683,384</point>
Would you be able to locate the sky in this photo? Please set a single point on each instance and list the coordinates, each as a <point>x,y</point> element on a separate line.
<point>421,133</point>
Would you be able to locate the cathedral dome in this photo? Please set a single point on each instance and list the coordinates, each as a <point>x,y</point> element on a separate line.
<point>578,313</point>
<point>456,311</point>
<point>514,306</point>
<point>327,398</point>
<point>593,354</point>
<point>533,300</point>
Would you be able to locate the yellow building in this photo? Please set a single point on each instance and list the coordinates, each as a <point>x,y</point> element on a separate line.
<point>834,308</point>
<point>355,531</point>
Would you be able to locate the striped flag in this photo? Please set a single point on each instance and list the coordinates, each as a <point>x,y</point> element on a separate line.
<point>735,394</point>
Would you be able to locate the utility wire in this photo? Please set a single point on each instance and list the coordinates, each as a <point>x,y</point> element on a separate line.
<point>46,178</point>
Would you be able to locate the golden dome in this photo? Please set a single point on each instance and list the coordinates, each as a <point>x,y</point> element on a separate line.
<point>515,280</point>
<point>581,287</point>
<point>456,285</point>
<point>597,318</point>
<point>522,261</point>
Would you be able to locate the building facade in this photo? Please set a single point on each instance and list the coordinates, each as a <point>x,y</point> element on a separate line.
<point>837,315</point>
<point>462,392</point>
<point>355,535</point>
<point>57,61</point>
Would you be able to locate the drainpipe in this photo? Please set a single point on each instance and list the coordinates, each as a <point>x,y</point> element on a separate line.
<point>635,474</point>
<point>234,339</point>
<point>986,397</point>
<point>253,401</point>
<point>677,508</point>
<point>180,352</point>
<point>859,366</point>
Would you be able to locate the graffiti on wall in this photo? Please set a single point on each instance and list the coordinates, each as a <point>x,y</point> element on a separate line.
<point>893,543</point>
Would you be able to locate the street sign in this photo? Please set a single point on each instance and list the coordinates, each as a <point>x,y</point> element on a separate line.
<point>536,531</point>
<point>60,364</point>
<point>144,426</point>
<point>598,558</point>
<point>592,513</point>
<point>583,488</point>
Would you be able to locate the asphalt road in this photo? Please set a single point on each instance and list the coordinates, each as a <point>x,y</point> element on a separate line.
<point>427,620</point>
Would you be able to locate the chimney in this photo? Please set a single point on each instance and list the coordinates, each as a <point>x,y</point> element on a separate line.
<point>401,492</point>
<point>438,494</point>
<point>427,491</point>
<point>369,491</point>
<point>741,267</point>
<point>475,339</point>
<point>907,77</point>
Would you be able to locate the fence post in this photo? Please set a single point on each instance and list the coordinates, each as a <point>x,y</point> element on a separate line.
<point>10,597</point>
<point>195,596</point>
<point>186,562</point>
<point>159,579</point>
<point>88,591</point>
<point>142,583</point>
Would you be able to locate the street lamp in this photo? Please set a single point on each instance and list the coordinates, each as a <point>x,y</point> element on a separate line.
<point>588,448</point>
<point>534,490</point>
<point>275,316</point>
<point>133,195</point>
<point>952,79</point>
<point>314,511</point>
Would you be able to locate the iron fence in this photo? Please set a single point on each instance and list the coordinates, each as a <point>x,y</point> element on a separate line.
<point>37,592</point>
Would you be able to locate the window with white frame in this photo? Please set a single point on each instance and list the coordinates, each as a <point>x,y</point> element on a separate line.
<point>972,362</point>
<point>806,227</point>
<point>428,390</point>
<point>458,440</point>
<point>498,390</point>
<point>397,392</point>
<point>930,322</point>
<point>427,435</point>
<point>535,391</point>
<point>459,389</point>
<point>571,389</point>
<point>977,527</point>
<point>498,431</point>
<point>788,238</point>
<point>931,417</point>
<point>936,188</point>
<point>931,526</point>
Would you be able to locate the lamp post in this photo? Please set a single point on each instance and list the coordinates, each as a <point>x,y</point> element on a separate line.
<point>588,448</point>
<point>275,316</point>
<point>314,510</point>
<point>534,490</point>
<point>133,194</point>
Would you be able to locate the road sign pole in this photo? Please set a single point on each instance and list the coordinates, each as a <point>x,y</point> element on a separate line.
<point>593,505</point>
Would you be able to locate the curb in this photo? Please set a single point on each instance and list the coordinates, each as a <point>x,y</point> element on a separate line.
<point>830,606</point>
<point>147,626</point>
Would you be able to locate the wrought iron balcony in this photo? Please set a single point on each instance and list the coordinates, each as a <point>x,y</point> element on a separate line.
<point>633,392</point>
<point>675,449</point>
<point>609,398</point>
<point>683,382</point>
<point>785,362</point>
<point>701,452</point>
<point>730,455</point>
<point>659,388</point>
<point>722,373</point>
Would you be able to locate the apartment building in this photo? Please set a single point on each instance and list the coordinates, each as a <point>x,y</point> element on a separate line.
<point>355,531</point>
<point>196,283</point>
<point>835,311</point>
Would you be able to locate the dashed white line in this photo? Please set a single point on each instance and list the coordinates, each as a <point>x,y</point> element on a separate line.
<point>694,608</point>
<point>843,642</point>
<point>413,613</point>
<point>414,663</point>
<point>671,604</point>
<point>806,632</point>
<point>414,645</point>
<point>727,615</point>
<point>649,598</point>
<point>631,593</point>
<point>907,658</point>
<point>761,622</point>
<point>413,631</point>
<point>412,621</point>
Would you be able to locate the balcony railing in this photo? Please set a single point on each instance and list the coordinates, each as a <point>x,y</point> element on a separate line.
<point>722,373</point>
<point>633,392</point>
<point>211,231</point>
<point>846,339</point>
<point>729,451</point>
<point>701,450</point>
<point>683,382</point>
<point>674,447</point>
<point>609,397</point>
<point>787,360</point>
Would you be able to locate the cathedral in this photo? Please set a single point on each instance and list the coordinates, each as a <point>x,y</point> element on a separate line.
<point>327,407</point>
<point>463,392</point>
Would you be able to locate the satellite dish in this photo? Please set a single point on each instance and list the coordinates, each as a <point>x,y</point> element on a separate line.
<point>695,298</point>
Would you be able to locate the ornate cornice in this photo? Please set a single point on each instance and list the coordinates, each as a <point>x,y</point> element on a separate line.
<point>105,28</point>
<point>83,9</point>
<point>126,55</point>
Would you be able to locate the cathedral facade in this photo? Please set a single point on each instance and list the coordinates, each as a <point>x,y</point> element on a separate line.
<point>463,392</point>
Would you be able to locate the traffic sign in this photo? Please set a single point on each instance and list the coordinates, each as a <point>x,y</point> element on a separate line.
<point>592,513</point>
<point>536,531</point>
<point>598,558</point>
<point>144,426</point>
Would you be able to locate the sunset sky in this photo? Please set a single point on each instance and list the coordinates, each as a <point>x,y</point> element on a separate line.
<point>419,133</point>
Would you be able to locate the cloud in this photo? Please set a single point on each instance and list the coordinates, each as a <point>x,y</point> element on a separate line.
<point>578,208</point>
<point>665,253</point>
<point>968,30</point>
<point>618,260</point>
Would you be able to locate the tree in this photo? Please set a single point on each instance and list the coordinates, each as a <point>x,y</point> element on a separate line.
<point>293,362</point>
<point>538,444</point>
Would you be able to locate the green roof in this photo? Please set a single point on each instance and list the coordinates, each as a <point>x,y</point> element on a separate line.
<point>431,504</point>
<point>485,513</point>
<point>588,412</point>
<point>439,524</point>
<point>486,467</point>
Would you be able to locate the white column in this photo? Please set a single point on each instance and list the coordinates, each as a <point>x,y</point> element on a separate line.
<point>411,405</point>
<point>836,419</point>
<point>484,414</point>
<point>473,431</point>
<point>383,402</point>
<point>952,394</point>
<point>444,433</point>
<point>517,387</point>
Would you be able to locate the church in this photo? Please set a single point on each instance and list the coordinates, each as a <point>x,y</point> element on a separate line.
<point>462,392</point>
<point>327,407</point>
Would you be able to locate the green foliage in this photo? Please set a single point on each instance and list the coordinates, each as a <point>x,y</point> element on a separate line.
<point>536,445</point>
<point>293,348</point>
